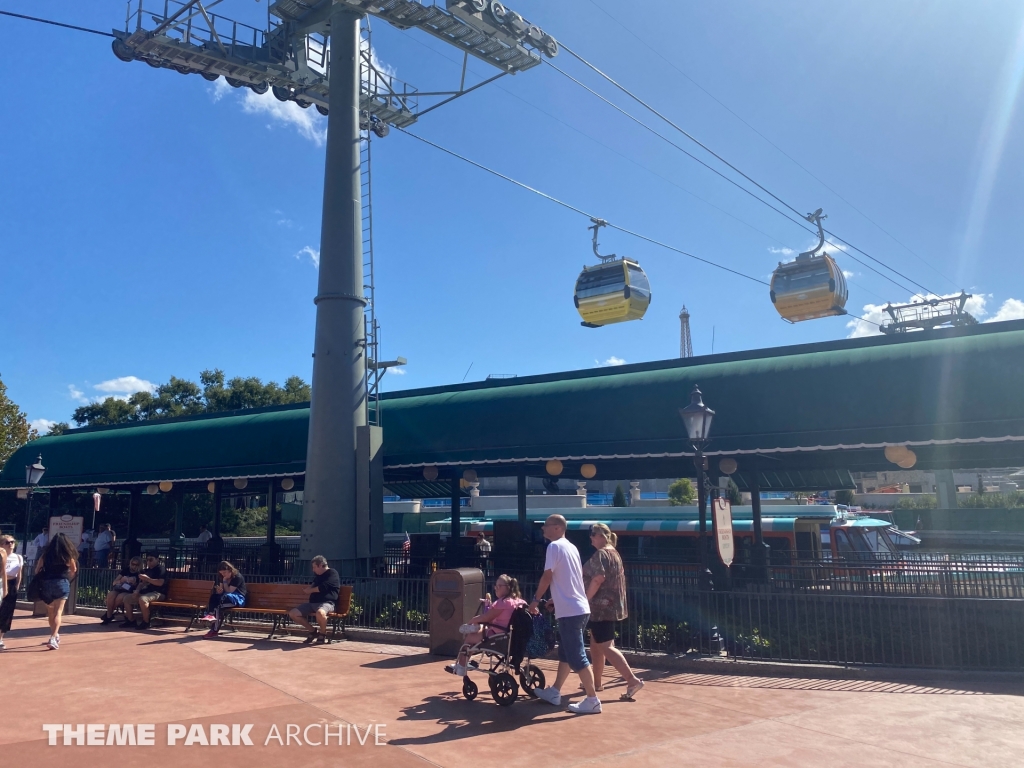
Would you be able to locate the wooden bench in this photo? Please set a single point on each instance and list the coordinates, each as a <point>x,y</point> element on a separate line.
<point>187,594</point>
<point>278,599</point>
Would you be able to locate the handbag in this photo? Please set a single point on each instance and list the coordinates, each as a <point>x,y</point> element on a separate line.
<point>32,592</point>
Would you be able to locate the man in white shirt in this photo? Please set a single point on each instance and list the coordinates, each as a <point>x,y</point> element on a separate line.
<point>204,535</point>
<point>102,546</point>
<point>563,573</point>
<point>84,547</point>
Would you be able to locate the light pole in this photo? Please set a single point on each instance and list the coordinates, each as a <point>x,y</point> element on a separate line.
<point>697,418</point>
<point>33,474</point>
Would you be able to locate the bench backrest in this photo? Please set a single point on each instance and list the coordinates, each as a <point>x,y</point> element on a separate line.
<point>275,596</point>
<point>189,591</point>
<point>286,596</point>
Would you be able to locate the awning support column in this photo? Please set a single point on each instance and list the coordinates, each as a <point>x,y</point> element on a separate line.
<point>218,502</point>
<point>454,548</point>
<point>760,552</point>
<point>521,502</point>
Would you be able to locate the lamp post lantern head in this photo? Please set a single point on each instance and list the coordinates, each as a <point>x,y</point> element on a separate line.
<point>34,473</point>
<point>697,418</point>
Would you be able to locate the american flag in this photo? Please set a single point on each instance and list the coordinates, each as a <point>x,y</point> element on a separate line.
<point>407,544</point>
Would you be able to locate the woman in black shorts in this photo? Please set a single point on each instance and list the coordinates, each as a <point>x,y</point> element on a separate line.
<point>605,583</point>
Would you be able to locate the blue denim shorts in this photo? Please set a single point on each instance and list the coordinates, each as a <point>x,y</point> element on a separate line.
<point>570,641</point>
<point>54,589</point>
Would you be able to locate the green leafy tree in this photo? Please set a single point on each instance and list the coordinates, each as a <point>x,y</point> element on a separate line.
<point>845,496</point>
<point>681,492</point>
<point>181,397</point>
<point>619,497</point>
<point>14,427</point>
<point>732,492</point>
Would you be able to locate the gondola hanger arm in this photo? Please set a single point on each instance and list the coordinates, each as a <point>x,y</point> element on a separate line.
<point>816,219</point>
<point>598,223</point>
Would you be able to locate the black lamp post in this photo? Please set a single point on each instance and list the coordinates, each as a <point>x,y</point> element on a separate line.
<point>33,474</point>
<point>697,418</point>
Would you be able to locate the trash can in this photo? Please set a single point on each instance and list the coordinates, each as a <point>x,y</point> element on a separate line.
<point>455,597</point>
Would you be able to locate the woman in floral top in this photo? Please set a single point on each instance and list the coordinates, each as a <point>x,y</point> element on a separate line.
<point>605,583</point>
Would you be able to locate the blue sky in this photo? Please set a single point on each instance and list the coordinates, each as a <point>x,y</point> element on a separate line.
<point>153,224</point>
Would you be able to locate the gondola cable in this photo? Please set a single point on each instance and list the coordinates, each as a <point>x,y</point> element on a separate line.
<point>771,143</point>
<point>713,154</point>
<point>799,222</point>
<point>580,211</point>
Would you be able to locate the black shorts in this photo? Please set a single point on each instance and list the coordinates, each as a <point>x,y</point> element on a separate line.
<point>602,631</point>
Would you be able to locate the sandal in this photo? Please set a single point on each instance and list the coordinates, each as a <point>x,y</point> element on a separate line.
<point>632,690</point>
<point>309,640</point>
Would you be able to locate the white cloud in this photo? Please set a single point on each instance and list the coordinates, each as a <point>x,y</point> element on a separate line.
<point>308,122</point>
<point>847,274</point>
<point>782,251</point>
<point>77,395</point>
<point>42,426</point>
<point>1012,309</point>
<point>611,361</point>
<point>399,371</point>
<point>311,253</point>
<point>124,386</point>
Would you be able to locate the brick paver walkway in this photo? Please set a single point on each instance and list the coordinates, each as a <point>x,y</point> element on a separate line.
<point>103,676</point>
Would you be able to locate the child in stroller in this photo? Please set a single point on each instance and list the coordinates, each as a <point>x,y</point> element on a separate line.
<point>498,638</point>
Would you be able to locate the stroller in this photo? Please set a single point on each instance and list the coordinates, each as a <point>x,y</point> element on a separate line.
<point>505,656</point>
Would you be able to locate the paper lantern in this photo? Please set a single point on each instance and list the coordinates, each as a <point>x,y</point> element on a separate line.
<point>211,487</point>
<point>908,461</point>
<point>470,476</point>
<point>430,474</point>
<point>166,486</point>
<point>554,467</point>
<point>727,466</point>
<point>896,453</point>
<point>287,484</point>
<point>152,489</point>
<point>240,482</point>
<point>588,471</point>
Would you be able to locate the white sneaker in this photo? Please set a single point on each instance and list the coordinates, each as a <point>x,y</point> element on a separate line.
<point>53,643</point>
<point>459,670</point>
<point>550,695</point>
<point>589,706</point>
<point>2,646</point>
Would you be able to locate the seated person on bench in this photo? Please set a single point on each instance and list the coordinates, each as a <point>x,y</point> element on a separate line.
<point>152,587</point>
<point>323,597</point>
<point>123,586</point>
<point>228,592</point>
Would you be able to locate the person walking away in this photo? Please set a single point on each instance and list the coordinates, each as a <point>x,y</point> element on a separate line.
<point>123,585</point>
<point>13,568</point>
<point>563,574</point>
<point>56,567</point>
<point>103,546</point>
<point>323,597</point>
<point>605,581</point>
<point>228,592</point>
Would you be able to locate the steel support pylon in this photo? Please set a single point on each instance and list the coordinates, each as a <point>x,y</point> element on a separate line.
<point>338,408</point>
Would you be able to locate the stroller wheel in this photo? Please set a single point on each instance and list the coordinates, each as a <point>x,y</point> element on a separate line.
<point>531,678</point>
<point>504,689</point>
<point>469,689</point>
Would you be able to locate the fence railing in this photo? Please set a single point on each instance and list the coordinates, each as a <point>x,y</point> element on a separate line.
<point>830,628</point>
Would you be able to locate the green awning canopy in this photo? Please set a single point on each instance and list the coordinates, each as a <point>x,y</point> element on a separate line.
<point>797,480</point>
<point>954,396</point>
<point>421,489</point>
